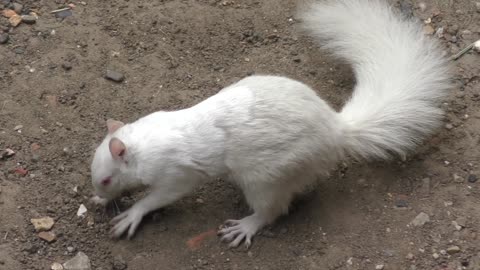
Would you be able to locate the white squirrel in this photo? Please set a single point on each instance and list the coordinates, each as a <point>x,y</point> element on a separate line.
<point>273,136</point>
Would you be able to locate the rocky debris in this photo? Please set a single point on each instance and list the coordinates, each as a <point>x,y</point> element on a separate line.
<point>119,263</point>
<point>114,76</point>
<point>379,267</point>
<point>42,224</point>
<point>18,127</point>
<point>47,236</point>
<point>420,220</point>
<point>4,37</point>
<point>81,210</point>
<point>449,126</point>
<point>453,250</point>
<point>70,249</point>
<point>79,262</point>
<point>56,266</point>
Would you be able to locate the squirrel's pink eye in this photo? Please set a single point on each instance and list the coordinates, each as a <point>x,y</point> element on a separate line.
<point>107,181</point>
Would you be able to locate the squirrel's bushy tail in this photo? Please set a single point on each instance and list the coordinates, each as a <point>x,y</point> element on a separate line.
<point>401,75</point>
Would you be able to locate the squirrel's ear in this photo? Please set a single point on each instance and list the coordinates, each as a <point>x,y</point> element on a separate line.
<point>113,125</point>
<point>117,149</point>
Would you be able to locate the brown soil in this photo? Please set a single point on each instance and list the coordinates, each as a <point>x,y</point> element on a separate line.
<point>175,53</point>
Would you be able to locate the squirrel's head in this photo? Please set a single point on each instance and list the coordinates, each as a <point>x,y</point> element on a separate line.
<point>110,163</point>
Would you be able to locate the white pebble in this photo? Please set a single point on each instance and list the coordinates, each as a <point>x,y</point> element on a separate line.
<point>81,210</point>
<point>476,46</point>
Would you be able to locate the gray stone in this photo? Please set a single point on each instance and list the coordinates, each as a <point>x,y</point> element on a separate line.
<point>29,19</point>
<point>64,14</point>
<point>472,178</point>
<point>17,8</point>
<point>4,37</point>
<point>420,220</point>
<point>114,76</point>
<point>79,262</point>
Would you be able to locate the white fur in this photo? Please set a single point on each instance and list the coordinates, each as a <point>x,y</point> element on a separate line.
<point>273,136</point>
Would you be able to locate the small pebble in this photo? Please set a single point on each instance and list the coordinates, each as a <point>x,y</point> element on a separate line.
<point>472,178</point>
<point>379,267</point>
<point>29,19</point>
<point>42,224</point>
<point>8,13</point>
<point>476,46</point>
<point>81,210</point>
<point>420,220</point>
<point>453,250</point>
<point>47,236</point>
<point>428,29</point>
<point>114,76</point>
<point>4,37</point>
<point>401,201</point>
<point>21,171</point>
<point>64,14</point>
<point>435,255</point>
<point>56,266</point>
<point>16,128</point>
<point>449,126</point>
<point>17,8</point>
<point>457,227</point>
<point>80,261</point>
<point>7,153</point>
<point>15,20</point>
<point>71,249</point>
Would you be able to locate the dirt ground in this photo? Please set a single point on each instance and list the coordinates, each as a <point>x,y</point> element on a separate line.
<point>174,53</point>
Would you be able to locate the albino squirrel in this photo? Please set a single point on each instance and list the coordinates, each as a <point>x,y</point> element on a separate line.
<point>272,136</point>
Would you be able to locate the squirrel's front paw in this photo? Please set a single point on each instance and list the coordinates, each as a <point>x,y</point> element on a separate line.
<point>129,219</point>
